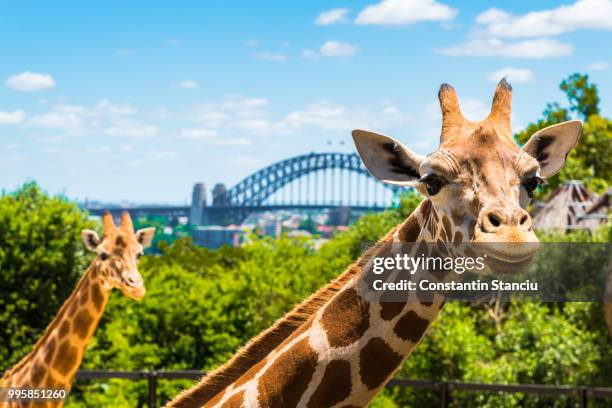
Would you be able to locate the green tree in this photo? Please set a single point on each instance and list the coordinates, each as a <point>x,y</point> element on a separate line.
<point>309,225</point>
<point>41,259</point>
<point>591,159</point>
<point>582,95</point>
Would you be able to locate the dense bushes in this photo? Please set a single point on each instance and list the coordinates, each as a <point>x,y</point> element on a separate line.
<point>202,305</point>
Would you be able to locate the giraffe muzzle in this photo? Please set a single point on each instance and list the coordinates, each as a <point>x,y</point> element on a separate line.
<point>135,293</point>
<point>506,237</point>
<point>133,287</point>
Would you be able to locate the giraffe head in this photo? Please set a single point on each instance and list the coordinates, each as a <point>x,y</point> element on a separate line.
<point>118,252</point>
<point>478,179</point>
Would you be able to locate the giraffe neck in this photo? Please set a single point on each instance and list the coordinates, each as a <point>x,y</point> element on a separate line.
<point>55,358</point>
<point>259,347</point>
<point>349,348</point>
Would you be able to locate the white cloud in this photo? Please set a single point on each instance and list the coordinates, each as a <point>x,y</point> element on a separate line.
<point>211,135</point>
<point>494,47</point>
<point>105,106</point>
<point>256,125</point>
<point>232,120</point>
<point>197,134</point>
<point>244,107</point>
<point>30,82</point>
<point>268,56</point>
<point>77,119</point>
<point>227,111</point>
<point>391,110</point>
<point>131,129</point>
<point>12,118</point>
<point>405,12</point>
<point>58,119</point>
<point>327,115</point>
<point>251,42</point>
<point>492,16</point>
<point>338,49</point>
<point>332,49</point>
<point>513,75</point>
<point>583,14</point>
<point>331,116</point>
<point>188,84</point>
<point>598,66</point>
<point>333,16</point>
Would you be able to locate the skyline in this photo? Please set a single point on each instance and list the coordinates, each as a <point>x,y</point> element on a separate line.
<point>133,102</point>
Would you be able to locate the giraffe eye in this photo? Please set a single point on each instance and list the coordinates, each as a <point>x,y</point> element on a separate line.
<point>433,183</point>
<point>531,184</point>
<point>104,256</point>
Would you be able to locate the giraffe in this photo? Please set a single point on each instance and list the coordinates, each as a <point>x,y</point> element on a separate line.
<point>54,360</point>
<point>337,348</point>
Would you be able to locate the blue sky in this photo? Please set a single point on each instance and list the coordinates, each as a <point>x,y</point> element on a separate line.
<point>136,101</point>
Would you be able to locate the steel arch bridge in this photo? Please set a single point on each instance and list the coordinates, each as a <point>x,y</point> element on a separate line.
<point>258,191</point>
<point>254,192</point>
<point>256,188</point>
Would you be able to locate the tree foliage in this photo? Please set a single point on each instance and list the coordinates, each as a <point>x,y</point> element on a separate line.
<point>202,305</point>
<point>581,94</point>
<point>591,159</point>
<point>41,259</point>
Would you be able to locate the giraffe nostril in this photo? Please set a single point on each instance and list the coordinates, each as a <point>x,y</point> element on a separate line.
<point>131,281</point>
<point>523,220</point>
<point>494,220</point>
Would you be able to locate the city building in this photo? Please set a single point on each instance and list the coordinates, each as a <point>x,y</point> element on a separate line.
<point>214,236</point>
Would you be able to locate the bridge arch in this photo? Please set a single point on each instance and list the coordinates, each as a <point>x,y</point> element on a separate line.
<point>256,188</point>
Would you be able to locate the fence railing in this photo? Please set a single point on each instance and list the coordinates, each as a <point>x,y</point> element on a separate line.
<point>445,388</point>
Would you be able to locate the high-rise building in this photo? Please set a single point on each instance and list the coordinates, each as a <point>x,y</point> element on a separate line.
<point>198,202</point>
<point>219,193</point>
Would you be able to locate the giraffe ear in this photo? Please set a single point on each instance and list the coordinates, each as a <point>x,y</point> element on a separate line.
<point>387,159</point>
<point>551,145</point>
<point>90,239</point>
<point>145,236</point>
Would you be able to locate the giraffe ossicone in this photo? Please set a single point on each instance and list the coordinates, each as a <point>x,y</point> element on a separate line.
<point>56,357</point>
<point>338,349</point>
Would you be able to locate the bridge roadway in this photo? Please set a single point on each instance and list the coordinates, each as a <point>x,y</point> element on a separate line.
<point>172,211</point>
<point>184,211</point>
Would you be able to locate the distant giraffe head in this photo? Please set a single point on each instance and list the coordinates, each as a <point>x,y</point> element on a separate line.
<point>479,180</point>
<point>56,356</point>
<point>118,252</point>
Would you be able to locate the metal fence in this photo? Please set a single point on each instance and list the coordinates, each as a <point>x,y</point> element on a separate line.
<point>444,388</point>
